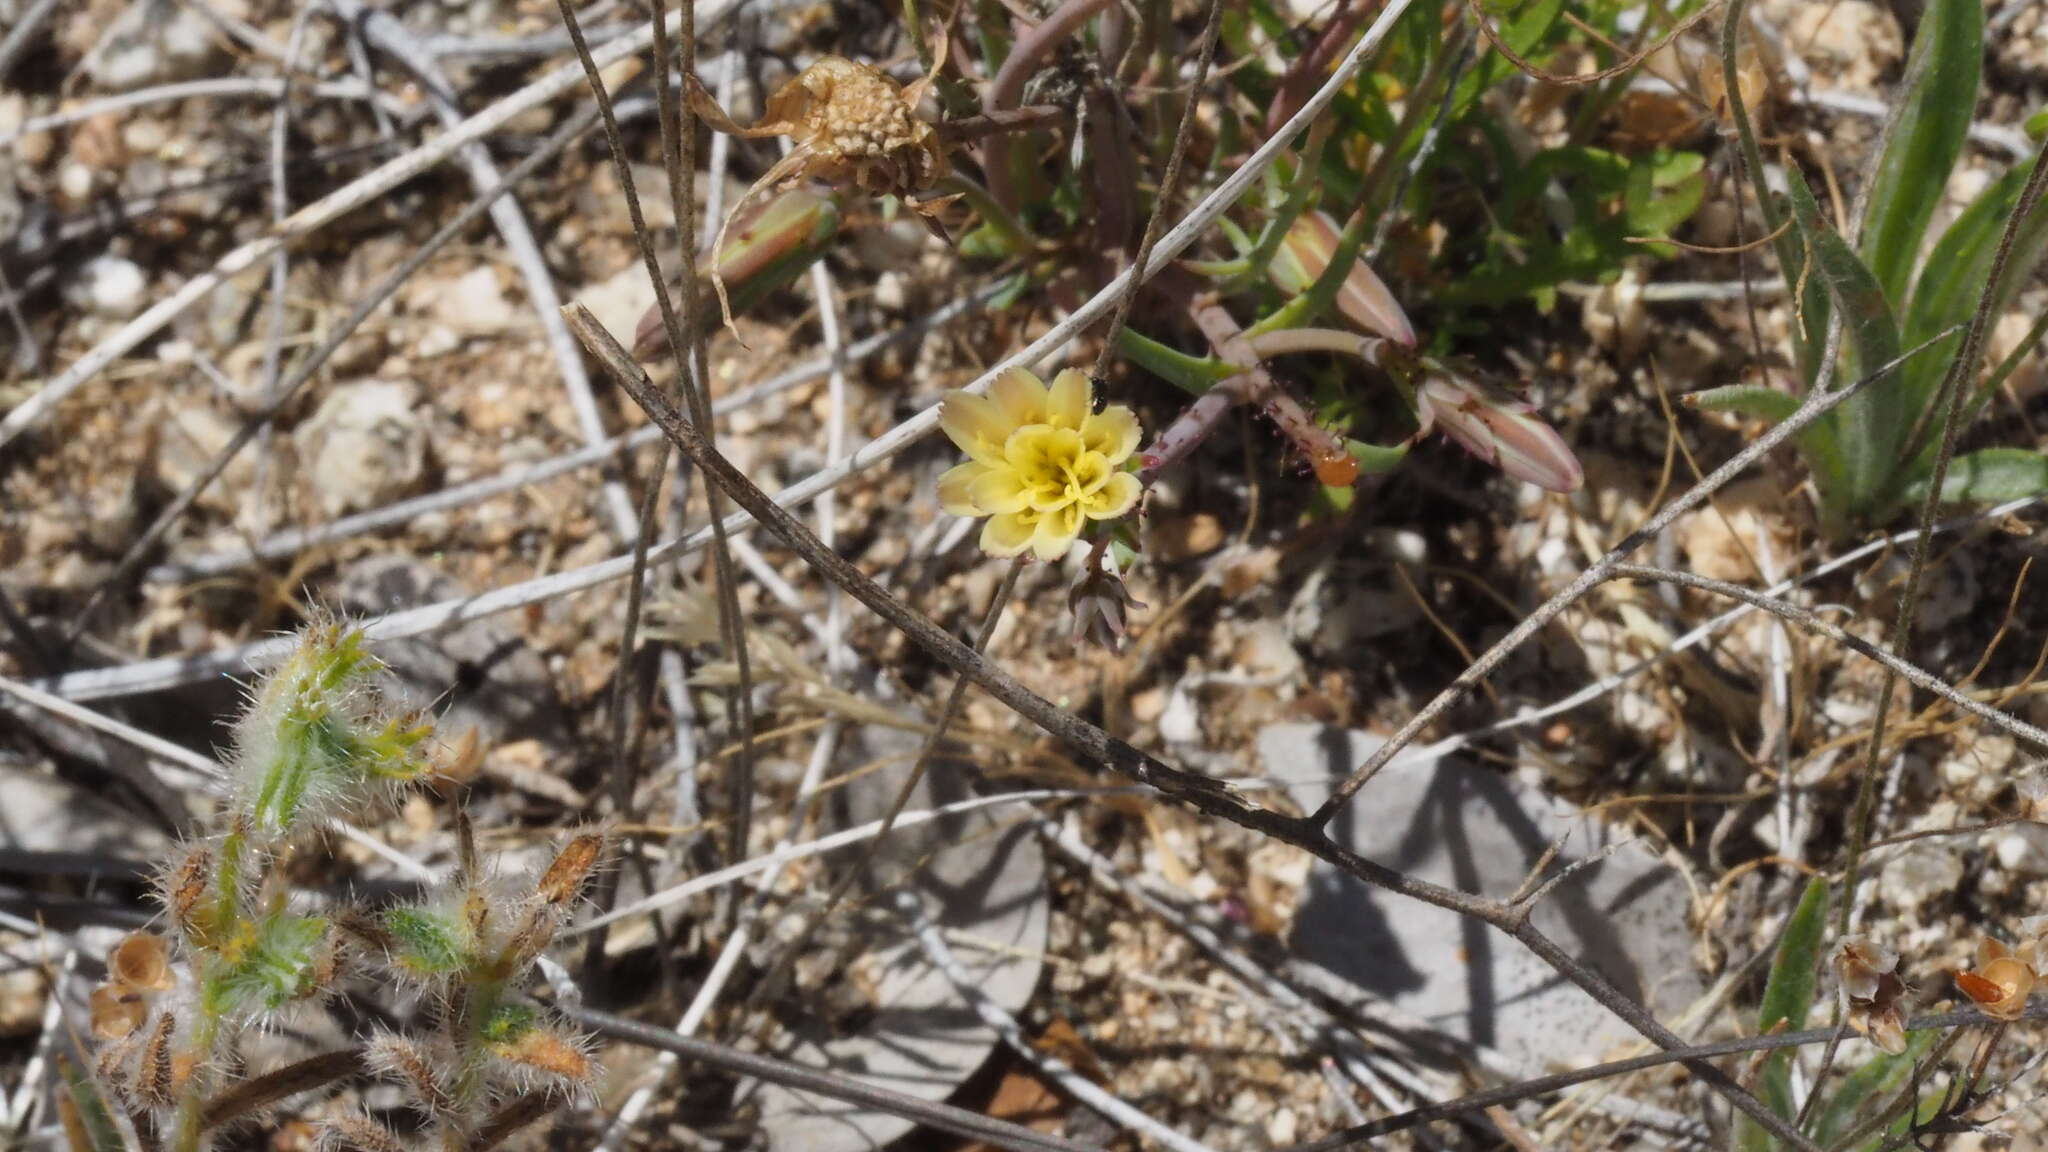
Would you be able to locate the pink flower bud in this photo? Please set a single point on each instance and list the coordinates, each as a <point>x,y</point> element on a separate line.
<point>1363,298</point>
<point>1496,426</point>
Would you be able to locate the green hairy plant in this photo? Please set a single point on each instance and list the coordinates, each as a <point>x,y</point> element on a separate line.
<point>1876,453</point>
<point>319,744</point>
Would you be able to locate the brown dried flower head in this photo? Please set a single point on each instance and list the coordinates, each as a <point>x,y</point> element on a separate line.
<point>571,870</point>
<point>116,1011</point>
<point>2001,981</point>
<point>1871,991</point>
<point>852,126</point>
<point>142,960</point>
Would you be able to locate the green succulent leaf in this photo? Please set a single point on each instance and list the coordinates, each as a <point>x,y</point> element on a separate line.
<point>1935,103</point>
<point>1194,374</point>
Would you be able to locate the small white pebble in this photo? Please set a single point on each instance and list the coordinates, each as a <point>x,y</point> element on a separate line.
<point>110,286</point>
<point>74,182</point>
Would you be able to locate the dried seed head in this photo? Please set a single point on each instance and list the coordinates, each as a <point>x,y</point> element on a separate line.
<point>2001,982</point>
<point>116,1011</point>
<point>141,960</point>
<point>404,1062</point>
<point>155,1081</point>
<point>185,886</point>
<point>556,1057</point>
<point>564,879</point>
<point>357,1132</point>
<point>1860,967</point>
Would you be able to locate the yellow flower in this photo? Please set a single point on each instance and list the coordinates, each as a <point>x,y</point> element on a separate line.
<point>1041,461</point>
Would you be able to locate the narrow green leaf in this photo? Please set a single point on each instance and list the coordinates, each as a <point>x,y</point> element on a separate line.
<point>1867,1088</point>
<point>1788,996</point>
<point>1817,440</point>
<point>1870,425</point>
<point>1746,400</point>
<point>1990,476</point>
<point>96,1125</point>
<point>1935,102</point>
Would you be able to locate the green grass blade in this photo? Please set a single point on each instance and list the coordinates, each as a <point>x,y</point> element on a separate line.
<point>1990,476</point>
<point>1788,995</point>
<point>1935,102</point>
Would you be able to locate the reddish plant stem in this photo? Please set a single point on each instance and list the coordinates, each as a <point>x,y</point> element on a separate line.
<point>1311,66</point>
<point>1256,385</point>
<point>1006,91</point>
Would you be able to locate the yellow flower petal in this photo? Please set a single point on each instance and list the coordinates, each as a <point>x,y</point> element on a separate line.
<point>1090,471</point>
<point>1020,396</point>
<point>975,425</point>
<point>1118,495</point>
<point>1071,399</point>
<point>954,486</point>
<point>1113,432</point>
<point>1008,535</point>
<point>1000,491</point>
<point>1055,533</point>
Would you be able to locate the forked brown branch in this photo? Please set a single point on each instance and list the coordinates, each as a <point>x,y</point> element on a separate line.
<point>1200,792</point>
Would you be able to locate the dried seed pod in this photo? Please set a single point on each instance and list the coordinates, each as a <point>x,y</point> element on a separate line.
<point>116,1011</point>
<point>357,1132</point>
<point>2001,982</point>
<point>155,1079</point>
<point>404,1062</point>
<point>185,886</point>
<point>571,870</point>
<point>141,960</point>
<point>554,1055</point>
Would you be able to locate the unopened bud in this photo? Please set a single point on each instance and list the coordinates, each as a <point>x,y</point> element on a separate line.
<point>763,252</point>
<point>1497,426</point>
<point>1362,298</point>
<point>1099,602</point>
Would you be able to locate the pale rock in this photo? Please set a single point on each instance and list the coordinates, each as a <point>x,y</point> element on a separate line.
<point>1282,1128</point>
<point>363,447</point>
<point>1720,541</point>
<point>437,340</point>
<point>474,303</point>
<point>109,286</point>
<point>2023,848</point>
<point>1921,875</point>
<point>75,182</point>
<point>619,301</point>
<point>1615,317</point>
<point>890,293</point>
<point>1147,706</point>
<point>1185,537</point>
<point>153,44</point>
<point>1181,722</point>
<point>1858,39</point>
<point>187,438</point>
<point>1265,652</point>
<point>144,136</point>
